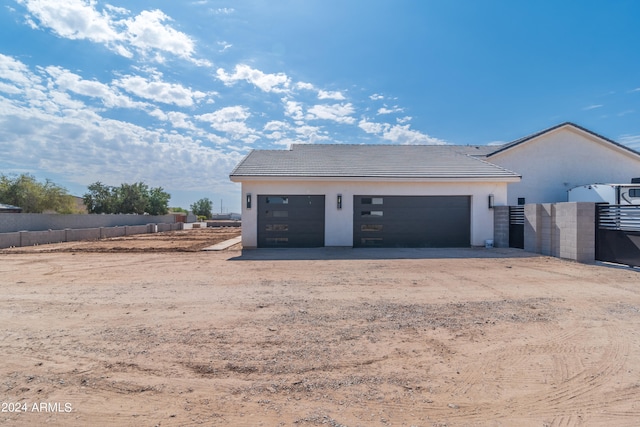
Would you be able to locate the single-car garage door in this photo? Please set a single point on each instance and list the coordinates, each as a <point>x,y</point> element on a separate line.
<point>411,221</point>
<point>290,221</point>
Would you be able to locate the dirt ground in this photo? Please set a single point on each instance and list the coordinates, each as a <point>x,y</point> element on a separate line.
<point>337,337</point>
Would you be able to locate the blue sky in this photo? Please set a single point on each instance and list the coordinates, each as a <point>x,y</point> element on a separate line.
<point>176,93</point>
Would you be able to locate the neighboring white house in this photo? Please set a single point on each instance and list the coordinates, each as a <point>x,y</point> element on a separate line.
<point>368,195</point>
<point>553,161</point>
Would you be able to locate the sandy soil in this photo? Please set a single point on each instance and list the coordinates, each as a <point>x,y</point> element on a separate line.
<point>192,240</point>
<point>334,337</point>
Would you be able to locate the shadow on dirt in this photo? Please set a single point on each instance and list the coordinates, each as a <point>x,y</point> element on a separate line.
<point>329,253</point>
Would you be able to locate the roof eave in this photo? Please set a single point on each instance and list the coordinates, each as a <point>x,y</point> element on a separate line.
<point>254,178</point>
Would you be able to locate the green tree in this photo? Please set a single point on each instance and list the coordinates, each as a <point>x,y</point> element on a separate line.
<point>132,198</point>
<point>34,197</point>
<point>136,198</point>
<point>158,203</point>
<point>202,207</point>
<point>101,199</point>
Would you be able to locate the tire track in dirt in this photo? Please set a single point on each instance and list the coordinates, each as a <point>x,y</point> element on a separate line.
<point>579,387</point>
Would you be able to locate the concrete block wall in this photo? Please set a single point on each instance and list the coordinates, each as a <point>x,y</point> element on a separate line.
<point>31,238</point>
<point>10,222</point>
<point>107,232</point>
<point>576,231</point>
<point>564,230</point>
<point>532,228</point>
<point>73,235</point>
<point>501,226</point>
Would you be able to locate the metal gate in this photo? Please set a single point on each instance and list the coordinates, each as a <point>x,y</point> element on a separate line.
<point>516,227</point>
<point>618,234</point>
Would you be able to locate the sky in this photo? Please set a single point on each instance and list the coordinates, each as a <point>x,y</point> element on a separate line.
<point>176,93</point>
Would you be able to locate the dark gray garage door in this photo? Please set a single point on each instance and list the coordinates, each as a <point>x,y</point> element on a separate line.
<point>290,221</point>
<point>411,221</point>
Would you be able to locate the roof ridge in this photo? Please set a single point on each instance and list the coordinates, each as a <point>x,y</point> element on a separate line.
<point>558,126</point>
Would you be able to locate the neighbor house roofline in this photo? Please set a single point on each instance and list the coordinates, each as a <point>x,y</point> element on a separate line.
<point>553,128</point>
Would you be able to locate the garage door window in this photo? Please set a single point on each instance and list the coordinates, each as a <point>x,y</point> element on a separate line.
<point>276,227</point>
<point>372,200</point>
<point>277,214</point>
<point>277,200</point>
<point>372,213</point>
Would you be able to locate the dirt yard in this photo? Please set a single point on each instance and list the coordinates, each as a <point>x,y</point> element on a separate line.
<point>94,335</point>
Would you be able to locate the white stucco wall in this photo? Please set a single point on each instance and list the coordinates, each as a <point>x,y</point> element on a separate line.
<point>562,159</point>
<point>339,222</point>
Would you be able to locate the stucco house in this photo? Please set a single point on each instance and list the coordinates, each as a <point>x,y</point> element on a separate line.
<point>414,196</point>
<point>562,157</point>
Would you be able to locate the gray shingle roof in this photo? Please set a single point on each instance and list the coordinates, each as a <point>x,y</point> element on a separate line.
<point>368,161</point>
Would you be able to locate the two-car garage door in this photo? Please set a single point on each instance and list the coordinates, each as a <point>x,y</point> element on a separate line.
<point>378,221</point>
<point>411,221</point>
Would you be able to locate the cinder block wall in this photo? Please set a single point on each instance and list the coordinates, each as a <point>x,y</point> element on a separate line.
<point>564,230</point>
<point>10,222</point>
<point>501,226</point>
<point>30,238</point>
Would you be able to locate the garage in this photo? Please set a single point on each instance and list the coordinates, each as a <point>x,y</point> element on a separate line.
<point>348,195</point>
<point>411,221</point>
<point>291,221</point>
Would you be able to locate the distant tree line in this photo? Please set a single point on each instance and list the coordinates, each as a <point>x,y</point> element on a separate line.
<point>32,196</point>
<point>136,198</point>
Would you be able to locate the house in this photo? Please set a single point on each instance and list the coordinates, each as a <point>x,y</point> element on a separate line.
<point>437,196</point>
<point>369,196</point>
<point>560,158</point>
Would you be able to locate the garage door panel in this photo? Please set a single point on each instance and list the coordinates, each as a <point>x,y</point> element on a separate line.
<point>411,221</point>
<point>290,221</point>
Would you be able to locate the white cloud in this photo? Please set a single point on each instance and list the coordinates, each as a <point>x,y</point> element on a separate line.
<point>15,71</point>
<point>72,82</point>
<point>399,134</point>
<point>338,96</point>
<point>74,19</point>
<point>592,107</point>
<point>376,97</point>
<point>177,119</point>
<point>224,46</point>
<point>86,148</point>
<point>404,119</point>
<point>230,120</point>
<point>147,32</point>
<point>304,86</point>
<point>277,83</point>
<point>159,91</point>
<point>394,109</point>
<point>293,109</point>
<point>631,141</point>
<point>113,27</point>
<point>340,113</point>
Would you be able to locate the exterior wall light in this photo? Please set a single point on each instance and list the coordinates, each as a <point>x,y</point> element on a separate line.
<point>491,202</point>
<point>339,201</point>
<point>248,200</point>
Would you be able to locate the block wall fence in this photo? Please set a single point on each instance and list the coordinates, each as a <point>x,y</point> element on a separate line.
<point>563,230</point>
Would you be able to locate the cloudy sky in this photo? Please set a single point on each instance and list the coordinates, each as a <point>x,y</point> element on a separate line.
<point>175,93</point>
